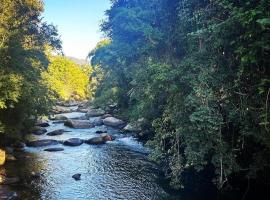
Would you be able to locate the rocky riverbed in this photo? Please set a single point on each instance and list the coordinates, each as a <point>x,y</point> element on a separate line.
<point>80,155</point>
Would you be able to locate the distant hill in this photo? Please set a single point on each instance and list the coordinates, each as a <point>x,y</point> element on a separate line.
<point>78,61</point>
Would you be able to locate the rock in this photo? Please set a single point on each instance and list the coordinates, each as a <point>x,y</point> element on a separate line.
<point>36,175</point>
<point>78,124</point>
<point>60,109</point>
<point>8,180</point>
<point>84,104</point>
<point>10,157</point>
<point>114,122</point>
<point>6,194</point>
<point>56,132</point>
<point>59,121</point>
<point>100,132</point>
<point>2,157</point>
<point>132,128</point>
<point>96,141</point>
<point>18,146</point>
<point>42,123</point>
<point>9,150</point>
<point>69,103</point>
<point>37,130</point>
<point>73,142</point>
<point>95,113</point>
<point>42,143</point>
<point>96,121</point>
<point>83,110</point>
<point>102,129</point>
<point>54,149</point>
<point>79,118</point>
<point>77,177</point>
<point>106,137</point>
<point>59,117</point>
<point>106,115</point>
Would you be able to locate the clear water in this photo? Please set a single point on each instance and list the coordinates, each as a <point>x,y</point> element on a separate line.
<point>116,170</point>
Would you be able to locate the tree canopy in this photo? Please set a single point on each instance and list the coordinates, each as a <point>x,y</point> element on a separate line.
<point>67,79</point>
<point>23,38</point>
<point>198,72</point>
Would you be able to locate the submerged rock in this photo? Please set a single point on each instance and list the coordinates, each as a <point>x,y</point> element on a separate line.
<point>56,132</point>
<point>73,142</point>
<point>95,112</point>
<point>77,177</point>
<point>114,122</point>
<point>41,143</point>
<point>54,149</point>
<point>78,124</point>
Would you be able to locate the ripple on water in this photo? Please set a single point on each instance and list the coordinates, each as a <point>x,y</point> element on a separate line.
<point>116,170</point>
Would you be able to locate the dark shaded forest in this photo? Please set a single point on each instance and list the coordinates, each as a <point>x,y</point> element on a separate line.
<point>193,73</point>
<point>197,72</point>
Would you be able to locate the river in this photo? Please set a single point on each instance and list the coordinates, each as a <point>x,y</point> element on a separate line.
<point>119,169</point>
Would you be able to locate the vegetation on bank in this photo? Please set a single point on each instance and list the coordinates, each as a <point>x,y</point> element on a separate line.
<point>198,72</point>
<point>23,40</point>
<point>67,79</point>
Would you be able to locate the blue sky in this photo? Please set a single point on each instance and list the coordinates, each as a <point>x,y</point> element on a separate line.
<point>77,22</point>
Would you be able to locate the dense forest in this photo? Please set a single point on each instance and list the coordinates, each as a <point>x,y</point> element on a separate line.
<point>24,38</point>
<point>198,72</point>
<point>193,73</point>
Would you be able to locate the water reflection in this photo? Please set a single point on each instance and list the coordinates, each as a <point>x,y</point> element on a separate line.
<point>116,170</point>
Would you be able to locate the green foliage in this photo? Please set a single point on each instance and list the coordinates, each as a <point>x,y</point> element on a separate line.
<point>23,94</point>
<point>199,71</point>
<point>67,79</point>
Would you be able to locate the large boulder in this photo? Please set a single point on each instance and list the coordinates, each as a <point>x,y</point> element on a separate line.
<point>95,112</point>
<point>41,143</point>
<point>114,122</point>
<point>56,132</point>
<point>42,123</point>
<point>73,142</point>
<point>79,124</point>
<point>96,121</point>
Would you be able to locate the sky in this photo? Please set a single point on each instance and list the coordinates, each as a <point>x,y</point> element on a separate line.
<point>77,22</point>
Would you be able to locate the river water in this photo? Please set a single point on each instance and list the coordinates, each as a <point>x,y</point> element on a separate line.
<point>116,170</point>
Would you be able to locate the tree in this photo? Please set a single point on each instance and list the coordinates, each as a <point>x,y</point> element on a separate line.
<point>22,59</point>
<point>198,72</point>
<point>67,79</point>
